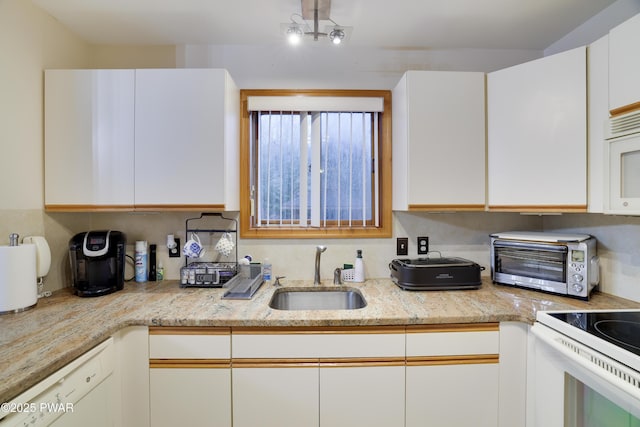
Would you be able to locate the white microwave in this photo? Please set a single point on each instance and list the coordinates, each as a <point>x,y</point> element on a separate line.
<point>563,264</point>
<point>622,168</point>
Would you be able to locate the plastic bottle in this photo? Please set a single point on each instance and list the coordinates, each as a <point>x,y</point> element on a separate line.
<point>358,274</point>
<point>141,261</point>
<point>266,270</point>
<point>160,272</point>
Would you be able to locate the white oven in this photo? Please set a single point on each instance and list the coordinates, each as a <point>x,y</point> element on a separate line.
<point>585,369</point>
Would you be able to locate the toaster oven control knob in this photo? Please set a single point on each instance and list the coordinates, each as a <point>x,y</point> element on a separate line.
<point>578,288</point>
<point>578,277</point>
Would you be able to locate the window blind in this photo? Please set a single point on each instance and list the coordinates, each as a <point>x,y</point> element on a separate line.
<point>319,166</point>
<point>315,103</point>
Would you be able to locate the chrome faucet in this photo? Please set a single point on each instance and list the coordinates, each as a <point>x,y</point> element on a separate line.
<point>337,276</point>
<point>316,277</point>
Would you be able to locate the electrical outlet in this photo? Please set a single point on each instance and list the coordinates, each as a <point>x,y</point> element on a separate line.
<point>402,246</point>
<point>423,245</point>
<point>177,251</point>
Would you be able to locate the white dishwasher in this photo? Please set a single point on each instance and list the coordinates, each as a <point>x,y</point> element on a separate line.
<point>80,394</point>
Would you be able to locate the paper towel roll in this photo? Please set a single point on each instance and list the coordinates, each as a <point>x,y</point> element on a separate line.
<point>18,282</point>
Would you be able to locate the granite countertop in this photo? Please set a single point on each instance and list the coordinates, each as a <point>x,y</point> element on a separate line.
<point>37,342</point>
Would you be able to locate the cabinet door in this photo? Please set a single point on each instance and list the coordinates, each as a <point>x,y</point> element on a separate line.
<point>179,134</point>
<point>624,66</point>
<point>132,373</point>
<point>89,139</point>
<point>275,378</point>
<point>439,141</point>
<point>276,395</point>
<point>362,377</point>
<point>330,377</point>
<point>190,396</point>
<point>455,395</point>
<point>365,395</point>
<point>452,375</point>
<point>537,146</point>
<point>598,99</point>
<point>190,376</point>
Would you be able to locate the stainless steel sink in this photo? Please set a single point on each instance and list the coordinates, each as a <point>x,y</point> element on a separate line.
<point>317,299</point>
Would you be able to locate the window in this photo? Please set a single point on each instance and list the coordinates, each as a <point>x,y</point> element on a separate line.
<point>315,164</point>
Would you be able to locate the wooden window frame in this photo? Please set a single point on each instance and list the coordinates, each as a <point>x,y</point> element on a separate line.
<point>247,230</point>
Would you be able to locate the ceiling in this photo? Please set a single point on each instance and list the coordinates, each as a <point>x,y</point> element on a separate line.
<point>391,24</point>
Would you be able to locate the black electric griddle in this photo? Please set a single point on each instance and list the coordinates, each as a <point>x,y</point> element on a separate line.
<point>441,273</point>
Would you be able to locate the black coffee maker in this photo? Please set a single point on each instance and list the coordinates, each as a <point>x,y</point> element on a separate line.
<point>97,262</point>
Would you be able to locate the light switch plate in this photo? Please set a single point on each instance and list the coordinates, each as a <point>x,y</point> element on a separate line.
<point>402,246</point>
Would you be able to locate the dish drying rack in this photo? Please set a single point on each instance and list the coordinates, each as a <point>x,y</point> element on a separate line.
<point>209,274</point>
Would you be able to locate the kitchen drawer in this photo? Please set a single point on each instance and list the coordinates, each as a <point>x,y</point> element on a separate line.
<point>189,343</point>
<point>363,342</point>
<point>260,343</point>
<point>318,343</point>
<point>453,340</point>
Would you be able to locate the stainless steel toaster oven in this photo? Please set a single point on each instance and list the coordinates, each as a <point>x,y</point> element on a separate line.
<point>564,264</point>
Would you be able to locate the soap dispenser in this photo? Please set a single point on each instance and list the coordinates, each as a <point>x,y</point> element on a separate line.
<point>358,274</point>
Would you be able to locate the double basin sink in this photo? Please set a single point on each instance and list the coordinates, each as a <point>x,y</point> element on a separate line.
<point>317,299</point>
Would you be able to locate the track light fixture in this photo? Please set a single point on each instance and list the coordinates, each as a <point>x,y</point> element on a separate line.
<point>316,10</point>
<point>294,34</point>
<point>336,35</point>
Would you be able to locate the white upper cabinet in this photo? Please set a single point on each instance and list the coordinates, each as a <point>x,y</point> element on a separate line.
<point>141,139</point>
<point>598,100</point>
<point>181,138</point>
<point>439,141</point>
<point>89,134</point>
<point>537,141</point>
<point>624,66</point>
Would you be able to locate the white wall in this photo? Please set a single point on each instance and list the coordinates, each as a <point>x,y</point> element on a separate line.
<point>596,27</point>
<point>329,67</point>
<point>618,248</point>
<point>104,56</point>
<point>30,40</point>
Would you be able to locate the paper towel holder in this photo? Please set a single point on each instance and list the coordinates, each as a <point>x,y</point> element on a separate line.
<point>43,254</point>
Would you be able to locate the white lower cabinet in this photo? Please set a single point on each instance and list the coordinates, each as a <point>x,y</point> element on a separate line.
<point>452,395</point>
<point>329,377</point>
<point>452,376</point>
<point>190,377</point>
<point>132,373</point>
<point>276,395</point>
<point>190,396</point>
<point>429,375</point>
<point>367,394</point>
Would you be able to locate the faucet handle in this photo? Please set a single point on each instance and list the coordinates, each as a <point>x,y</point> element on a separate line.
<point>277,282</point>
<point>337,276</point>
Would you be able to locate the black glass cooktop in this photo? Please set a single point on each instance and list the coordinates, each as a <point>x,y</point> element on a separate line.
<point>621,328</point>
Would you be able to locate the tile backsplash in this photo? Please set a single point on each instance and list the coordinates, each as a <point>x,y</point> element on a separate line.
<point>461,234</point>
<point>452,234</point>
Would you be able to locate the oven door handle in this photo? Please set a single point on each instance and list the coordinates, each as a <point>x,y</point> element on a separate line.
<point>531,246</point>
<point>590,360</point>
